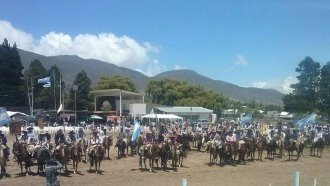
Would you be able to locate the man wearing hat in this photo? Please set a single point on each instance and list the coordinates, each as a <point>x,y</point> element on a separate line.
<point>31,135</point>
<point>81,133</point>
<point>94,139</point>
<point>71,138</point>
<point>59,137</point>
<point>3,144</point>
<point>42,138</point>
<point>231,137</point>
<point>23,138</point>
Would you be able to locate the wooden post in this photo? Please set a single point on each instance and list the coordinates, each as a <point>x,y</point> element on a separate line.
<point>314,181</point>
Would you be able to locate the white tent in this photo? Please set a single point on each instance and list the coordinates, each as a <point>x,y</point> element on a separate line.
<point>10,113</point>
<point>163,116</point>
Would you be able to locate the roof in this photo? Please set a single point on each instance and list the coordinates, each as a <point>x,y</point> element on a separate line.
<point>184,109</point>
<point>163,116</point>
<point>114,92</point>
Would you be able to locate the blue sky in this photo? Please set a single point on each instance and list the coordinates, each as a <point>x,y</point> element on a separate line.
<point>247,43</point>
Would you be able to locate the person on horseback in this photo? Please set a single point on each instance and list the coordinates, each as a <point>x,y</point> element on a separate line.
<point>3,145</point>
<point>31,135</point>
<point>231,137</point>
<point>94,139</point>
<point>59,137</point>
<point>23,138</point>
<point>42,138</point>
<point>71,138</point>
<point>81,133</point>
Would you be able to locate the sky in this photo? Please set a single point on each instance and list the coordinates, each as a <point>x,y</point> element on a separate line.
<point>255,43</point>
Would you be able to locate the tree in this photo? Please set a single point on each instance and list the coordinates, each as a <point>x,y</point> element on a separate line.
<point>36,71</point>
<point>324,93</point>
<point>83,82</point>
<point>115,82</point>
<point>12,92</point>
<point>306,90</point>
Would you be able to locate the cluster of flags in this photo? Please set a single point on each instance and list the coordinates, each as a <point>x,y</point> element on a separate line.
<point>308,120</point>
<point>246,119</point>
<point>45,81</point>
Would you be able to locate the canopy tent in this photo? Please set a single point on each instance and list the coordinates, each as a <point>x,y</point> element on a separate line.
<point>163,116</point>
<point>96,117</point>
<point>10,113</point>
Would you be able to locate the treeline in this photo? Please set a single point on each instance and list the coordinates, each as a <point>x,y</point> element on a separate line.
<point>312,92</point>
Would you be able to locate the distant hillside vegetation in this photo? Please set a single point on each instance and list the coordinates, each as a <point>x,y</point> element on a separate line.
<point>71,65</point>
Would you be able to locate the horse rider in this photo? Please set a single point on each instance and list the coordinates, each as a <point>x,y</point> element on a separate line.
<point>94,139</point>
<point>102,134</point>
<point>81,134</point>
<point>214,138</point>
<point>3,145</point>
<point>231,137</point>
<point>71,138</point>
<point>31,135</point>
<point>23,138</point>
<point>59,137</point>
<point>42,138</point>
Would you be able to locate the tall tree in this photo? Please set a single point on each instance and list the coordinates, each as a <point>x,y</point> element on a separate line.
<point>12,92</point>
<point>324,92</point>
<point>36,71</point>
<point>83,84</point>
<point>115,82</point>
<point>306,90</point>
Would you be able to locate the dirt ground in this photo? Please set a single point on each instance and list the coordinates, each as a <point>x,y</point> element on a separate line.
<point>196,170</point>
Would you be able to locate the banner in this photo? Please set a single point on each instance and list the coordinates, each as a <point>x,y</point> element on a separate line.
<point>246,119</point>
<point>309,120</point>
<point>136,130</point>
<point>4,118</point>
<point>15,128</point>
<point>45,80</point>
<point>60,109</point>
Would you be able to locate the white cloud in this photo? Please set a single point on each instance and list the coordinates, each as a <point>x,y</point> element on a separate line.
<point>240,60</point>
<point>178,67</point>
<point>280,85</point>
<point>119,50</point>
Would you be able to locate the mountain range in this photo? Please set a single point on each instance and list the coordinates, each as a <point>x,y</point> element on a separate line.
<point>71,65</point>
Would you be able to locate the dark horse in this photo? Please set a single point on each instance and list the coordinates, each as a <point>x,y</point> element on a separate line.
<point>164,154</point>
<point>106,143</point>
<point>271,149</point>
<point>22,156</point>
<point>75,156</point>
<point>3,163</point>
<point>61,154</point>
<point>96,155</point>
<point>122,145</point>
<point>43,156</point>
<point>318,147</point>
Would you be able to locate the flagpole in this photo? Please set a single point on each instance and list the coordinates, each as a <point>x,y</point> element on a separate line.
<point>32,99</point>
<point>54,90</point>
<point>28,89</point>
<point>60,89</point>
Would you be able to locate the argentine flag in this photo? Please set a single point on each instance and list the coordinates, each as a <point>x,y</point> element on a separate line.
<point>45,80</point>
<point>136,130</point>
<point>309,120</point>
<point>246,119</point>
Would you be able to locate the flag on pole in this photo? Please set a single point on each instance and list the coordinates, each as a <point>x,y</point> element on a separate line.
<point>45,80</point>
<point>246,119</point>
<point>60,109</point>
<point>136,130</point>
<point>4,118</point>
<point>308,120</point>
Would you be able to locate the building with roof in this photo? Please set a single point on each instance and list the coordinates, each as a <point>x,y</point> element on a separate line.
<point>187,113</point>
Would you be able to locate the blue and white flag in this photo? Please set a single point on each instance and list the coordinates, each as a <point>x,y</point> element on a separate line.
<point>4,118</point>
<point>246,119</point>
<point>136,130</point>
<point>309,120</point>
<point>45,80</point>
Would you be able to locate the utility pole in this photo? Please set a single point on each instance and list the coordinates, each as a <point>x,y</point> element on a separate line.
<point>75,88</point>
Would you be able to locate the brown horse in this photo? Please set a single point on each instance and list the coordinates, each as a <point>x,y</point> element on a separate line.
<point>241,149</point>
<point>82,148</point>
<point>250,148</point>
<point>107,143</point>
<point>148,154</point>
<point>318,147</point>
<point>293,146</point>
<point>260,145</point>
<point>22,155</point>
<point>122,145</point>
<point>75,156</point>
<point>232,151</point>
<point>96,155</point>
<point>61,154</point>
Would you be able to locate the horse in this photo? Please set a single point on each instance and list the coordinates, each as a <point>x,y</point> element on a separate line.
<point>280,146</point>
<point>250,148</point>
<point>61,154</point>
<point>106,143</point>
<point>175,156</point>
<point>75,155</point>
<point>147,154</point>
<point>293,146</point>
<point>260,145</point>
<point>82,148</point>
<point>232,151</point>
<point>22,155</point>
<point>164,154</point>
<point>317,146</point>
<point>42,154</point>
<point>212,147</point>
<point>130,144</point>
<point>122,145</point>
<point>3,163</point>
<point>96,155</point>
<point>271,149</point>
<point>241,150</point>
<point>200,140</point>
